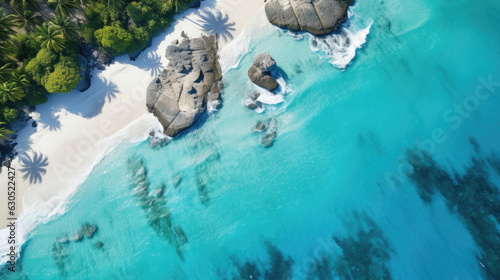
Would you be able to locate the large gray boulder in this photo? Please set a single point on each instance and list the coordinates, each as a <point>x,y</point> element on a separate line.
<point>319,17</point>
<point>179,95</point>
<point>260,72</point>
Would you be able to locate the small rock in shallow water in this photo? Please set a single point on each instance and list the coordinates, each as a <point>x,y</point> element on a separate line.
<point>63,239</point>
<point>159,192</point>
<point>250,105</point>
<point>253,105</point>
<point>89,230</point>
<point>77,237</point>
<point>177,181</point>
<point>34,124</point>
<point>98,244</point>
<point>267,140</point>
<point>254,95</point>
<point>180,233</point>
<point>261,126</point>
<point>158,139</point>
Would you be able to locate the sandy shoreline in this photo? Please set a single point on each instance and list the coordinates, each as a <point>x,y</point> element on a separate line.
<point>75,130</point>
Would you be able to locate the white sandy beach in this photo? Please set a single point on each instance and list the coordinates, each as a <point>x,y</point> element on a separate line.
<point>74,131</point>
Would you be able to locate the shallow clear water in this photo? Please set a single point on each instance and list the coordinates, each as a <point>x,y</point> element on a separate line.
<point>335,196</point>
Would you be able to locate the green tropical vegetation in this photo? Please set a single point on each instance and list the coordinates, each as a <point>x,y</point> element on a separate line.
<point>40,40</point>
<point>4,132</point>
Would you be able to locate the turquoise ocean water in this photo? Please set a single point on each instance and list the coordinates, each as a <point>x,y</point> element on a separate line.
<point>387,169</point>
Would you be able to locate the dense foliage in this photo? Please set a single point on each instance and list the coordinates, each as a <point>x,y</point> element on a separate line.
<point>39,42</point>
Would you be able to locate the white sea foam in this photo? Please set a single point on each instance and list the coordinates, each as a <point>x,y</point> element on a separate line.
<point>212,106</point>
<point>340,48</point>
<point>276,97</point>
<point>233,53</point>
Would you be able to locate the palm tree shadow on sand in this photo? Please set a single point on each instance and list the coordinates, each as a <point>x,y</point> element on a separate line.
<point>216,23</point>
<point>111,90</point>
<point>50,121</point>
<point>102,89</point>
<point>152,63</point>
<point>33,166</point>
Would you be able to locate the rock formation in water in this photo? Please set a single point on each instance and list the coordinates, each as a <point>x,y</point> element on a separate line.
<point>179,95</point>
<point>260,72</point>
<point>268,138</point>
<point>87,230</point>
<point>319,17</point>
<point>155,206</point>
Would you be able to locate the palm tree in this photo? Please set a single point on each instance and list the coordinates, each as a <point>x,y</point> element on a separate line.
<point>180,4</point>
<point>114,3</point>
<point>7,23</point>
<point>52,38</point>
<point>4,132</point>
<point>31,5</point>
<point>5,71</point>
<point>68,28</point>
<point>26,17</point>
<point>19,79</point>
<point>2,51</point>
<point>65,7</point>
<point>11,91</point>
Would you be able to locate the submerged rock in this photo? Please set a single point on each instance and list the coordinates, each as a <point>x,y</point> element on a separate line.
<point>268,139</point>
<point>179,95</point>
<point>176,181</point>
<point>158,139</point>
<point>77,236</point>
<point>59,254</point>
<point>254,95</point>
<point>471,194</point>
<point>98,244</point>
<point>87,230</point>
<point>319,17</point>
<point>252,105</point>
<point>367,252</point>
<point>260,72</point>
<point>154,206</point>
<point>261,126</point>
<point>63,239</point>
<point>180,234</point>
